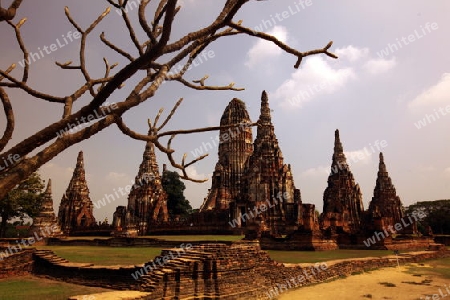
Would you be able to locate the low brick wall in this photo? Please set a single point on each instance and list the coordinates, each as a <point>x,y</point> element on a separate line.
<point>123,242</point>
<point>17,264</point>
<point>442,239</point>
<point>214,271</point>
<point>48,264</point>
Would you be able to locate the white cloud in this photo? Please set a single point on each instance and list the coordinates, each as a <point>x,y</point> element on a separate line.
<point>351,53</point>
<point>263,49</point>
<point>315,77</point>
<point>321,172</point>
<point>64,174</point>
<point>358,156</point>
<point>435,95</point>
<point>193,173</point>
<point>319,75</point>
<point>118,178</point>
<point>447,171</point>
<point>195,192</point>
<point>379,65</point>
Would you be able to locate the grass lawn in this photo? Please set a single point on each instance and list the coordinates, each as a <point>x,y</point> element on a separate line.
<point>30,287</point>
<point>90,238</point>
<point>105,255</point>
<point>138,255</point>
<point>441,267</point>
<point>187,238</point>
<point>319,256</point>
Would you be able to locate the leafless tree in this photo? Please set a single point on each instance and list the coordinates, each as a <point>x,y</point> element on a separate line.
<point>10,12</point>
<point>156,56</point>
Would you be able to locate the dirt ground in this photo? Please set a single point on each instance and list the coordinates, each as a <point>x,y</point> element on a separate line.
<point>410,282</point>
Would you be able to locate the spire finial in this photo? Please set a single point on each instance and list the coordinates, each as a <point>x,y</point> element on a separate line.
<point>48,190</point>
<point>265,109</point>
<point>339,159</point>
<point>382,165</point>
<point>80,159</point>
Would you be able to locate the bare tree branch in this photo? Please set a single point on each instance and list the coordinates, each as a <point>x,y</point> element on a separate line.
<point>22,48</point>
<point>115,48</point>
<point>9,13</point>
<point>7,108</point>
<point>283,46</point>
<point>159,60</point>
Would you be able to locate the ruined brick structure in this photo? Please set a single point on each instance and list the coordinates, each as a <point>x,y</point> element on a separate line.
<point>46,218</point>
<point>268,183</point>
<point>147,201</point>
<point>386,208</point>
<point>235,146</point>
<point>76,208</point>
<point>342,199</point>
<point>253,192</point>
<point>250,180</point>
<point>211,271</point>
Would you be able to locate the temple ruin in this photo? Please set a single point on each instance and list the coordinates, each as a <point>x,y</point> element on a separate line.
<point>253,193</point>
<point>342,199</point>
<point>235,147</point>
<point>251,183</point>
<point>46,220</point>
<point>76,208</point>
<point>147,201</point>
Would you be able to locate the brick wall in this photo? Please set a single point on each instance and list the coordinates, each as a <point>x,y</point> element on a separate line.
<point>213,271</point>
<point>17,264</point>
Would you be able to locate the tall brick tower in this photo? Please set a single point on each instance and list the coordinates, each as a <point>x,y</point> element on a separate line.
<point>386,206</point>
<point>147,201</point>
<point>268,180</point>
<point>342,199</point>
<point>235,146</point>
<point>76,208</point>
<point>46,220</point>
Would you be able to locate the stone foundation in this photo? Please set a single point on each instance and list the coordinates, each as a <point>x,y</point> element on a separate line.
<point>442,239</point>
<point>16,264</point>
<point>124,242</point>
<point>298,241</point>
<point>212,271</point>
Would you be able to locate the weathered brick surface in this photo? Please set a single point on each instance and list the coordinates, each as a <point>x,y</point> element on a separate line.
<point>213,271</point>
<point>47,263</point>
<point>17,264</point>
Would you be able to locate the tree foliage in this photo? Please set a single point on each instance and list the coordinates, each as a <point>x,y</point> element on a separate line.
<point>177,204</point>
<point>22,201</point>
<point>437,215</point>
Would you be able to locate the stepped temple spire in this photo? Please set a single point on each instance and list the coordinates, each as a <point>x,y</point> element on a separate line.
<point>385,204</point>
<point>339,160</point>
<point>342,199</point>
<point>267,179</point>
<point>265,117</point>
<point>147,201</point>
<point>235,146</point>
<point>76,208</point>
<point>45,223</point>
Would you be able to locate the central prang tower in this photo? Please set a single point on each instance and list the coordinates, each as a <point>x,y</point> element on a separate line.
<point>235,147</point>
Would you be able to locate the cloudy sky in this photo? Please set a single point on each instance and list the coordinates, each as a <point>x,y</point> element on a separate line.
<point>389,90</point>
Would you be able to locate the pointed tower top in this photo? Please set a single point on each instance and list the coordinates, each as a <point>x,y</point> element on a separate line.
<point>78,182</point>
<point>339,159</point>
<point>382,165</point>
<point>234,113</point>
<point>148,169</point>
<point>265,109</point>
<point>48,190</point>
<point>337,142</point>
<point>80,160</point>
